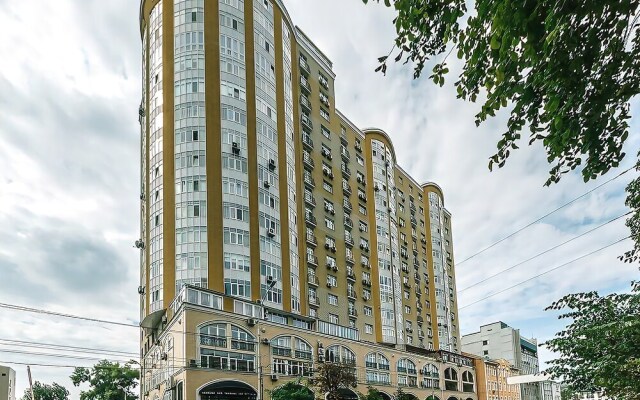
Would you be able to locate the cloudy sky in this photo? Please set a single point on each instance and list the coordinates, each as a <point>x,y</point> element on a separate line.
<point>69,167</point>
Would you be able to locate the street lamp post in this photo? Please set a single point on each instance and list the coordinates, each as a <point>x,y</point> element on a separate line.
<point>124,391</point>
<point>270,284</point>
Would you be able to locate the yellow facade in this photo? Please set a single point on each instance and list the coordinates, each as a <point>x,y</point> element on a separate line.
<point>250,175</point>
<point>492,379</point>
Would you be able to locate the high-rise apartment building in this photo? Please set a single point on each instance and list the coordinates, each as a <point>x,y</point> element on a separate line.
<point>276,234</point>
<point>500,341</point>
<point>7,383</point>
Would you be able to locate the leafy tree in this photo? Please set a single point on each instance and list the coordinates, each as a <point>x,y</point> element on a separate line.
<point>402,395</point>
<point>372,394</point>
<point>292,391</point>
<point>106,380</point>
<point>566,393</point>
<point>331,377</point>
<point>42,391</point>
<point>600,349</point>
<point>565,70</point>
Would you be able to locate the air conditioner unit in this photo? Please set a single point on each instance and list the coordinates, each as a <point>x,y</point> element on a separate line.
<point>335,268</point>
<point>332,212</point>
<point>333,249</point>
<point>272,164</point>
<point>329,285</point>
<point>140,290</point>
<point>274,377</point>
<point>266,184</point>
<point>376,188</point>
<point>235,145</point>
<point>252,321</point>
<point>271,232</point>
<point>326,246</point>
<point>235,148</point>
<point>164,357</point>
<point>359,179</point>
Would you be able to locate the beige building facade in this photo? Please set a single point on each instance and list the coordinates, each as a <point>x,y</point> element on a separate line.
<point>492,379</point>
<point>267,204</point>
<point>7,383</point>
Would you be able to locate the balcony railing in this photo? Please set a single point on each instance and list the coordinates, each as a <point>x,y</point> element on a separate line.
<point>345,153</point>
<point>310,200</point>
<point>346,188</point>
<point>308,161</point>
<point>346,171</point>
<point>243,345</point>
<point>350,274</point>
<point>308,180</point>
<point>349,258</point>
<point>352,294</point>
<point>306,121</point>
<point>312,279</point>
<point>313,260</point>
<point>305,103</point>
<point>311,220</point>
<point>311,239</point>
<point>348,223</point>
<point>281,351</point>
<point>303,355</point>
<point>304,67</point>
<point>313,301</point>
<point>213,341</point>
<point>348,241</point>
<point>304,84</point>
<point>307,141</point>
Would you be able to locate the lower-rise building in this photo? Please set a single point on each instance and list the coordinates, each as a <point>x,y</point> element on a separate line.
<point>492,379</point>
<point>7,383</point>
<point>214,347</point>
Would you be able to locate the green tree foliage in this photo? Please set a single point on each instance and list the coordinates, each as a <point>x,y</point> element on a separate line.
<point>42,391</point>
<point>565,70</point>
<point>402,395</point>
<point>372,394</point>
<point>600,349</point>
<point>106,380</point>
<point>292,391</point>
<point>331,377</point>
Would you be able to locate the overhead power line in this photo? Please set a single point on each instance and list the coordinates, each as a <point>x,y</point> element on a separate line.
<point>76,349</point>
<point>543,253</point>
<point>543,217</point>
<point>41,311</point>
<point>544,273</point>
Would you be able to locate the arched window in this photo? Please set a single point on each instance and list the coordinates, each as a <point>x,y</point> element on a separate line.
<point>377,366</point>
<point>467,382</point>
<point>407,373</point>
<point>340,354</point>
<point>214,335</point>
<point>242,340</point>
<point>291,356</point>
<point>451,379</point>
<point>215,348</point>
<point>430,376</point>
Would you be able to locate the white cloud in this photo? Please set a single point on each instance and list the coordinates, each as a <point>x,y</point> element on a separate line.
<point>69,90</point>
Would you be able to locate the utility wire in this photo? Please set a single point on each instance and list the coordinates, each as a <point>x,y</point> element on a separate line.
<point>544,273</point>
<point>40,311</point>
<point>73,349</point>
<point>543,217</point>
<point>542,253</point>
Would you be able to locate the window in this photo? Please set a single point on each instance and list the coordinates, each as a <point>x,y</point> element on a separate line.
<point>340,354</point>
<point>362,209</point>
<point>333,318</point>
<point>329,224</point>
<point>368,311</point>
<point>236,236</point>
<point>332,299</point>
<point>235,211</point>
<point>325,131</point>
<point>485,342</point>
<point>368,329</point>
<point>363,226</point>
<point>451,379</point>
<point>237,287</point>
<point>236,262</point>
<point>467,382</point>
<point>407,310</point>
<point>234,163</point>
<point>360,160</point>
<point>332,281</point>
<point>327,186</point>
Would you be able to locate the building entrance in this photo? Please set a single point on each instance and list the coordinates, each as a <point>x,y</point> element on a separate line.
<point>228,390</point>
